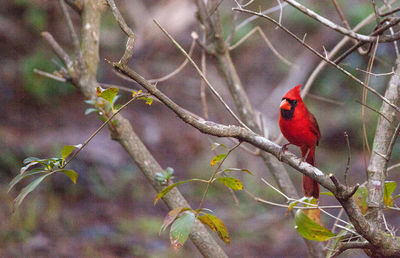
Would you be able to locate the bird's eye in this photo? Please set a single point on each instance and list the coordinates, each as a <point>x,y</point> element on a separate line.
<point>294,101</point>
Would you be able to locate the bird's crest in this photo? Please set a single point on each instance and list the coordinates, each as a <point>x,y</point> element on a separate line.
<point>293,93</point>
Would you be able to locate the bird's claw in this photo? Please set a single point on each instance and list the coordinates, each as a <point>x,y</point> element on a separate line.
<point>282,150</point>
<point>302,160</point>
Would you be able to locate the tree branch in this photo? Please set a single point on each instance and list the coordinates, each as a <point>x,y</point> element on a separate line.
<point>340,29</point>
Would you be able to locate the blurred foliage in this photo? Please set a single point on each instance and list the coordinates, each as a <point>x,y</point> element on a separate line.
<point>43,89</point>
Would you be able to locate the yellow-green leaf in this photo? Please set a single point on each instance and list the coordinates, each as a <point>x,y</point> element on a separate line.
<point>238,170</point>
<point>389,189</point>
<point>109,94</point>
<point>295,202</point>
<point>215,145</point>
<point>180,230</point>
<point>167,189</point>
<point>71,174</point>
<point>217,159</point>
<point>68,149</point>
<point>360,197</point>
<point>19,177</point>
<point>29,188</point>
<point>231,182</point>
<point>217,225</point>
<point>311,230</point>
<point>171,216</point>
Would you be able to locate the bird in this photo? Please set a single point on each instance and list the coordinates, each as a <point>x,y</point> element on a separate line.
<point>300,128</point>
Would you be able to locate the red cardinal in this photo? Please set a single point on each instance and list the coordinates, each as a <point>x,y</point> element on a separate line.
<point>300,128</point>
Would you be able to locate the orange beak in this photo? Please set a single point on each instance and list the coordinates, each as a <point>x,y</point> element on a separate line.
<point>285,105</point>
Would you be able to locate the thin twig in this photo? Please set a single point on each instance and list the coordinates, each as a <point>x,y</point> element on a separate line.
<point>364,101</point>
<point>331,54</point>
<point>72,32</point>
<point>58,49</point>
<point>268,11</point>
<point>324,99</point>
<point>390,12</point>
<point>269,44</point>
<point>393,167</point>
<point>322,57</point>
<point>373,109</point>
<point>393,141</point>
<point>202,75</point>
<point>336,221</point>
<point>334,26</point>
<point>49,75</point>
<point>341,15</point>
<point>214,174</point>
<point>376,74</point>
<point>203,94</point>
<point>98,130</point>
<point>123,88</point>
<point>126,29</point>
<point>346,136</point>
<point>177,70</point>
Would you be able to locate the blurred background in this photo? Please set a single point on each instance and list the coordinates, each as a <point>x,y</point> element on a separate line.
<point>110,212</point>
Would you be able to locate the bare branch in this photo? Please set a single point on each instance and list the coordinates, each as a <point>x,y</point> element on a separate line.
<point>58,50</point>
<point>177,70</point>
<point>336,27</point>
<point>269,44</point>
<point>202,76</point>
<point>373,109</point>
<point>50,75</point>
<point>71,29</point>
<point>346,136</point>
<point>322,57</point>
<point>125,28</point>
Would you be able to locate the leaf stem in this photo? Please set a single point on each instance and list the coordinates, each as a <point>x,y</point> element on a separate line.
<point>98,130</point>
<point>214,175</point>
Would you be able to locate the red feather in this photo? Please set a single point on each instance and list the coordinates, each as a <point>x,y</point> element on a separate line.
<point>300,128</point>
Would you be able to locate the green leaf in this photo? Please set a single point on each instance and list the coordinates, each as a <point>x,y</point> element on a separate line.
<point>171,216</point>
<point>169,171</point>
<point>217,225</point>
<point>19,177</point>
<point>396,196</point>
<point>68,149</point>
<point>29,188</point>
<point>180,230</point>
<point>71,174</point>
<point>25,168</point>
<point>389,189</point>
<point>215,145</point>
<point>336,240</point>
<point>360,197</point>
<point>237,170</point>
<point>217,159</point>
<point>109,94</point>
<point>311,230</point>
<point>149,100</point>
<point>29,160</point>
<point>231,182</point>
<point>327,193</point>
<point>90,110</point>
<point>295,202</point>
<point>167,189</point>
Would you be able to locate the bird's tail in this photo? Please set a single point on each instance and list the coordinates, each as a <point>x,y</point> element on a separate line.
<point>310,186</point>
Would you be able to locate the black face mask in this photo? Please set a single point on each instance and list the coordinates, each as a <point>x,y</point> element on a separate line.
<point>288,114</point>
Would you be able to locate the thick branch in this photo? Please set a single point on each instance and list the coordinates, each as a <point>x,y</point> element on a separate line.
<point>385,131</point>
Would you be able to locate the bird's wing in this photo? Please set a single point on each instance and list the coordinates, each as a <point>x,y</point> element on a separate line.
<point>314,126</point>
